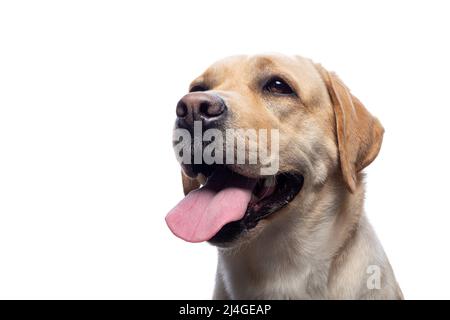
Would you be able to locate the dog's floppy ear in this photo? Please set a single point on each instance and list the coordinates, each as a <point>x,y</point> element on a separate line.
<point>359,134</point>
<point>189,184</point>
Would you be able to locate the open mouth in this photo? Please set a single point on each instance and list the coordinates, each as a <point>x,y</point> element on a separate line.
<point>229,203</point>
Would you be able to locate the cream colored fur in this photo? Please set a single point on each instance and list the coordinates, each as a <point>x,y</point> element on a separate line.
<point>321,245</point>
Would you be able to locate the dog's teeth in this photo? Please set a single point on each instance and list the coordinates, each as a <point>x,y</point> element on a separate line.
<point>201,178</point>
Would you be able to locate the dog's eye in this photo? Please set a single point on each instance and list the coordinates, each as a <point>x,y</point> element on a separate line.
<point>199,87</point>
<point>278,86</point>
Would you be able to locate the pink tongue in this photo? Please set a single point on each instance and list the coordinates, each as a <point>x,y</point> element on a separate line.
<point>203,212</point>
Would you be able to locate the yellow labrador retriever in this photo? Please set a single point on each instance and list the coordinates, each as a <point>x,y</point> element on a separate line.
<point>296,232</point>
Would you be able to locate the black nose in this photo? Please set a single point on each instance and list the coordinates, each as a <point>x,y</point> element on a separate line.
<point>200,106</point>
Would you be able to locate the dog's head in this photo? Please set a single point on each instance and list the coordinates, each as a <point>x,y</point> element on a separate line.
<point>263,134</point>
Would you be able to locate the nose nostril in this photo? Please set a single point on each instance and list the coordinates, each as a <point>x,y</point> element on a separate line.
<point>181,110</point>
<point>204,108</point>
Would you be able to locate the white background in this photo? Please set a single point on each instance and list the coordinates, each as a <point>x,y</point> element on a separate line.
<point>87,103</point>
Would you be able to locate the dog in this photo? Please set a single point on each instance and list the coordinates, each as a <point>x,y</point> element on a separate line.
<point>300,233</point>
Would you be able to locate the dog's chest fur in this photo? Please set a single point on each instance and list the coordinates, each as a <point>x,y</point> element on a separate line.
<point>306,269</point>
<point>279,284</point>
